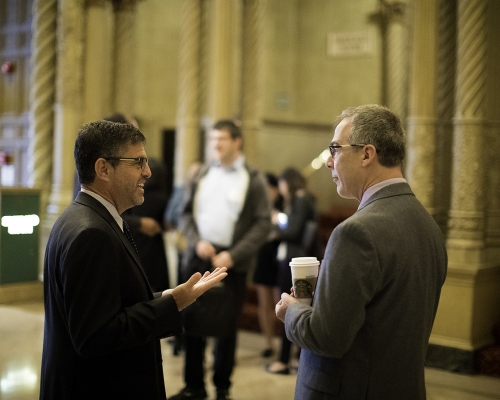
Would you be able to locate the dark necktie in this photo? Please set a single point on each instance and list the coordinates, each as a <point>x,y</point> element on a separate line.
<point>126,231</point>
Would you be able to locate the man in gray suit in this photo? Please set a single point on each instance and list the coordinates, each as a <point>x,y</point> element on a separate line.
<point>366,334</point>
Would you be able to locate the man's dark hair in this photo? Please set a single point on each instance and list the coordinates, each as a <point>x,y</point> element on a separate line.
<point>229,126</point>
<point>379,126</point>
<point>117,117</point>
<point>102,139</point>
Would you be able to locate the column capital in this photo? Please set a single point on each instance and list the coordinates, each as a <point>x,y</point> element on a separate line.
<point>393,10</point>
<point>390,11</point>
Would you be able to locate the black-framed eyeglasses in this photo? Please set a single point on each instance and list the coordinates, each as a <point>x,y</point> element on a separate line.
<point>334,148</point>
<point>139,161</point>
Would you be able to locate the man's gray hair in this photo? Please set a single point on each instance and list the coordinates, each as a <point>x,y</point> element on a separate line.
<point>379,126</point>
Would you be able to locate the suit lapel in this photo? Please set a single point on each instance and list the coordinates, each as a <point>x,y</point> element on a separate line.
<point>89,201</point>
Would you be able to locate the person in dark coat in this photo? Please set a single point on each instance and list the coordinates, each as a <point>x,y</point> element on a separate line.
<point>291,227</point>
<point>152,247</point>
<point>102,320</point>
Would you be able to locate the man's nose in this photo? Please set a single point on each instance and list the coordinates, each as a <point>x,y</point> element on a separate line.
<point>329,162</point>
<point>146,171</point>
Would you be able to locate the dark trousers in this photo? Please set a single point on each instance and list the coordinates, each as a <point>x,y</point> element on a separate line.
<point>225,347</point>
<point>224,356</point>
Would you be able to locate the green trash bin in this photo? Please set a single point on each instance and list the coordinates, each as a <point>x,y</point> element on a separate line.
<point>19,234</point>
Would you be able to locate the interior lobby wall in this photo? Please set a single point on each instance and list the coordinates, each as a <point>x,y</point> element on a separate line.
<point>305,87</point>
<point>156,69</point>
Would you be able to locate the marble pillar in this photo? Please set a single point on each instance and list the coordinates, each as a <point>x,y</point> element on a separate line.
<point>396,37</point>
<point>421,133</point>
<point>99,59</point>
<point>188,121</point>
<point>445,108</point>
<point>68,103</point>
<point>42,96</point>
<point>225,60</point>
<point>469,303</point>
<point>493,134</point>
<point>251,77</point>
<point>124,52</point>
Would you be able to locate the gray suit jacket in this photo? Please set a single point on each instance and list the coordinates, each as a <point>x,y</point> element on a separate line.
<point>366,335</point>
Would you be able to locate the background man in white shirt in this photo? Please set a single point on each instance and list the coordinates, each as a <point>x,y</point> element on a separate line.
<point>226,220</point>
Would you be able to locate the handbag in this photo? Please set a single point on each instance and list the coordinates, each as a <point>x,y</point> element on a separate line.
<point>214,312</point>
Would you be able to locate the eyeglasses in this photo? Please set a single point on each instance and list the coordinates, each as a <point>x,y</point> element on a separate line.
<point>334,148</point>
<point>140,161</point>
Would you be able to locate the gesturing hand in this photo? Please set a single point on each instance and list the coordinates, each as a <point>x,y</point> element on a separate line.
<point>187,293</point>
<point>205,250</point>
<point>149,226</point>
<point>223,259</point>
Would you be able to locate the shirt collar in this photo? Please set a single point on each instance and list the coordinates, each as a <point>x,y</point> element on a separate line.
<point>375,188</point>
<point>238,164</point>
<point>110,207</point>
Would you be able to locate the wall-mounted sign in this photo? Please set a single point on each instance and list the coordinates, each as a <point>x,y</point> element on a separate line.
<point>348,44</point>
<point>20,224</point>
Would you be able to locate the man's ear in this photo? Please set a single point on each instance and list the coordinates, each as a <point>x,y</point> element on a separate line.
<point>102,169</point>
<point>369,154</point>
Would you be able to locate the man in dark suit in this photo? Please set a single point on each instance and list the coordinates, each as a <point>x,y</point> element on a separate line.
<point>102,321</point>
<point>366,334</point>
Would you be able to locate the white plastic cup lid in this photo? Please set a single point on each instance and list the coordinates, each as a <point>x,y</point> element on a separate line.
<point>305,261</point>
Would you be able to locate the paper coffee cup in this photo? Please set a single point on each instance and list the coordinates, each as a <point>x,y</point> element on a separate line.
<point>304,277</point>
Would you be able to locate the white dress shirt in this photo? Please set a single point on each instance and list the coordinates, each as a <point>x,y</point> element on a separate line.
<point>110,207</point>
<point>219,200</point>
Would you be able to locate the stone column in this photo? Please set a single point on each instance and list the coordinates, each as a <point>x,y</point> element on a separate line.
<point>124,39</point>
<point>42,96</point>
<point>395,13</point>
<point>68,105</point>
<point>469,302</point>
<point>188,122</point>
<point>421,133</point>
<point>493,139</point>
<point>99,54</point>
<point>445,108</point>
<point>251,77</point>
<point>467,222</point>
<point>225,60</point>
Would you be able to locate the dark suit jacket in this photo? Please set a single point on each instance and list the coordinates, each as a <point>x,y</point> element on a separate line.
<point>366,335</point>
<point>102,322</point>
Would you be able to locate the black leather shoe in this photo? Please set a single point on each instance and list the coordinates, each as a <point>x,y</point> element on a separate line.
<point>223,394</point>
<point>190,394</point>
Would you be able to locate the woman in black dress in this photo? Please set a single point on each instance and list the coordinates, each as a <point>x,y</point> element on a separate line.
<point>295,235</point>
<point>265,275</point>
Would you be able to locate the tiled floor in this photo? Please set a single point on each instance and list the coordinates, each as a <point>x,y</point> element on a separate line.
<point>21,334</point>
